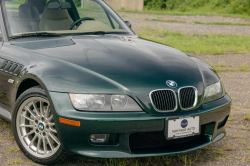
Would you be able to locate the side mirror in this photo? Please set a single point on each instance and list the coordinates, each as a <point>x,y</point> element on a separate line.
<point>128,24</point>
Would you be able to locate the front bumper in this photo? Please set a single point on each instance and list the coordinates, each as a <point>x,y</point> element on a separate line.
<point>120,126</point>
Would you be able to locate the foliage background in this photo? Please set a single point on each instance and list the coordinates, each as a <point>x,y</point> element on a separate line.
<point>241,7</point>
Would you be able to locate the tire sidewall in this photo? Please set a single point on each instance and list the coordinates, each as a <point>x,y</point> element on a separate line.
<point>60,154</point>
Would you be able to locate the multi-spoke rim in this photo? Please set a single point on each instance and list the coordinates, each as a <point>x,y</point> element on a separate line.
<point>36,127</point>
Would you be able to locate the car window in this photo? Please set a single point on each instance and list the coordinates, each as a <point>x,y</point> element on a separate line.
<point>93,10</point>
<point>116,25</point>
<point>59,15</point>
<point>1,34</point>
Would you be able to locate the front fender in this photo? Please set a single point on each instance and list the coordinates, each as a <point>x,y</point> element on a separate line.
<point>210,76</point>
<point>61,76</point>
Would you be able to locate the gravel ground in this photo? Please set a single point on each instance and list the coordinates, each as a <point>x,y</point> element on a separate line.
<point>232,150</point>
<point>138,21</point>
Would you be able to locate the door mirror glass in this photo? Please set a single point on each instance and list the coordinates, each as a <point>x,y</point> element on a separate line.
<point>128,24</point>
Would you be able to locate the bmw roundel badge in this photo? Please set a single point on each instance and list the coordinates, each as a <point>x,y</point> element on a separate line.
<point>41,126</point>
<point>184,123</point>
<point>171,84</point>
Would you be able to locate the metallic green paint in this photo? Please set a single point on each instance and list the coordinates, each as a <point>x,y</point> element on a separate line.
<point>76,139</point>
<point>113,64</point>
<point>110,64</point>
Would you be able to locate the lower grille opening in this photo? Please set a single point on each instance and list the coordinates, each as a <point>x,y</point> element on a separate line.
<point>150,142</point>
<point>154,140</point>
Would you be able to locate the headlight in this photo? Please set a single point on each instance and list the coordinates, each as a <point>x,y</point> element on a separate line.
<point>119,101</point>
<point>93,102</point>
<point>213,92</point>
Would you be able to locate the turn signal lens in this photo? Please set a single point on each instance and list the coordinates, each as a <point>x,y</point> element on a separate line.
<point>69,122</point>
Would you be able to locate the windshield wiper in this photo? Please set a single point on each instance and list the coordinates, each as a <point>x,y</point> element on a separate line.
<point>48,34</point>
<point>34,34</point>
<point>92,33</point>
<point>97,33</point>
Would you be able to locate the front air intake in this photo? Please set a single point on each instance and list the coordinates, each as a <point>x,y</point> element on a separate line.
<point>151,140</point>
<point>164,100</point>
<point>188,97</point>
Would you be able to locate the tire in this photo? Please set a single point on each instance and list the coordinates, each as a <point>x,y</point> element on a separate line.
<point>34,128</point>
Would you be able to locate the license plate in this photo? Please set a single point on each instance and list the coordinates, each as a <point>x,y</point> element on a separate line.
<point>182,127</point>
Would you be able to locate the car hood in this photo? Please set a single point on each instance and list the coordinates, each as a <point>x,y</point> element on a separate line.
<point>139,65</point>
<point>131,62</point>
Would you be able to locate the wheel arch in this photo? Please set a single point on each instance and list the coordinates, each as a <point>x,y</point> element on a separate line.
<point>27,82</point>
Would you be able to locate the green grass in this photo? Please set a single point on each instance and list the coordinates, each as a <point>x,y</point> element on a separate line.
<point>243,142</point>
<point>7,126</point>
<point>182,159</point>
<point>247,117</point>
<point>123,15</point>
<point>14,3</point>
<point>221,23</point>
<point>162,20</point>
<point>220,158</point>
<point>13,6</point>
<point>187,13</point>
<point>212,44</point>
<point>221,68</point>
<point>90,9</point>
<point>12,149</point>
<point>240,7</point>
<point>165,160</point>
<point>238,136</point>
<point>220,151</point>
<point>14,161</point>
<point>190,159</point>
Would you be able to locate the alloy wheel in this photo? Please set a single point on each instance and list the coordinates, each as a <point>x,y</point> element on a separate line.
<point>36,127</point>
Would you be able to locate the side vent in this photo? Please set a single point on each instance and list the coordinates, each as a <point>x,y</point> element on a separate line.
<point>18,70</point>
<point>3,64</point>
<point>10,67</point>
<point>13,67</point>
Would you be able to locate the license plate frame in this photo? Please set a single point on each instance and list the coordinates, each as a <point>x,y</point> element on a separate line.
<point>188,133</point>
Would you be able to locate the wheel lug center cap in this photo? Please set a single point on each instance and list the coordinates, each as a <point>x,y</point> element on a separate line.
<point>41,126</point>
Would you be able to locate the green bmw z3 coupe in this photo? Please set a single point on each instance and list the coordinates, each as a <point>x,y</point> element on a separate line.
<point>80,81</point>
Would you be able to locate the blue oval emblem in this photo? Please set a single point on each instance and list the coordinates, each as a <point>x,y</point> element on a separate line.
<point>41,126</point>
<point>184,123</point>
<point>171,84</point>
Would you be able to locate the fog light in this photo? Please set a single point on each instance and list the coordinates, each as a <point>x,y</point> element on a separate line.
<point>99,138</point>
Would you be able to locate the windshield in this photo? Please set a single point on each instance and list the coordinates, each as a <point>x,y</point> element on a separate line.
<point>61,16</point>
